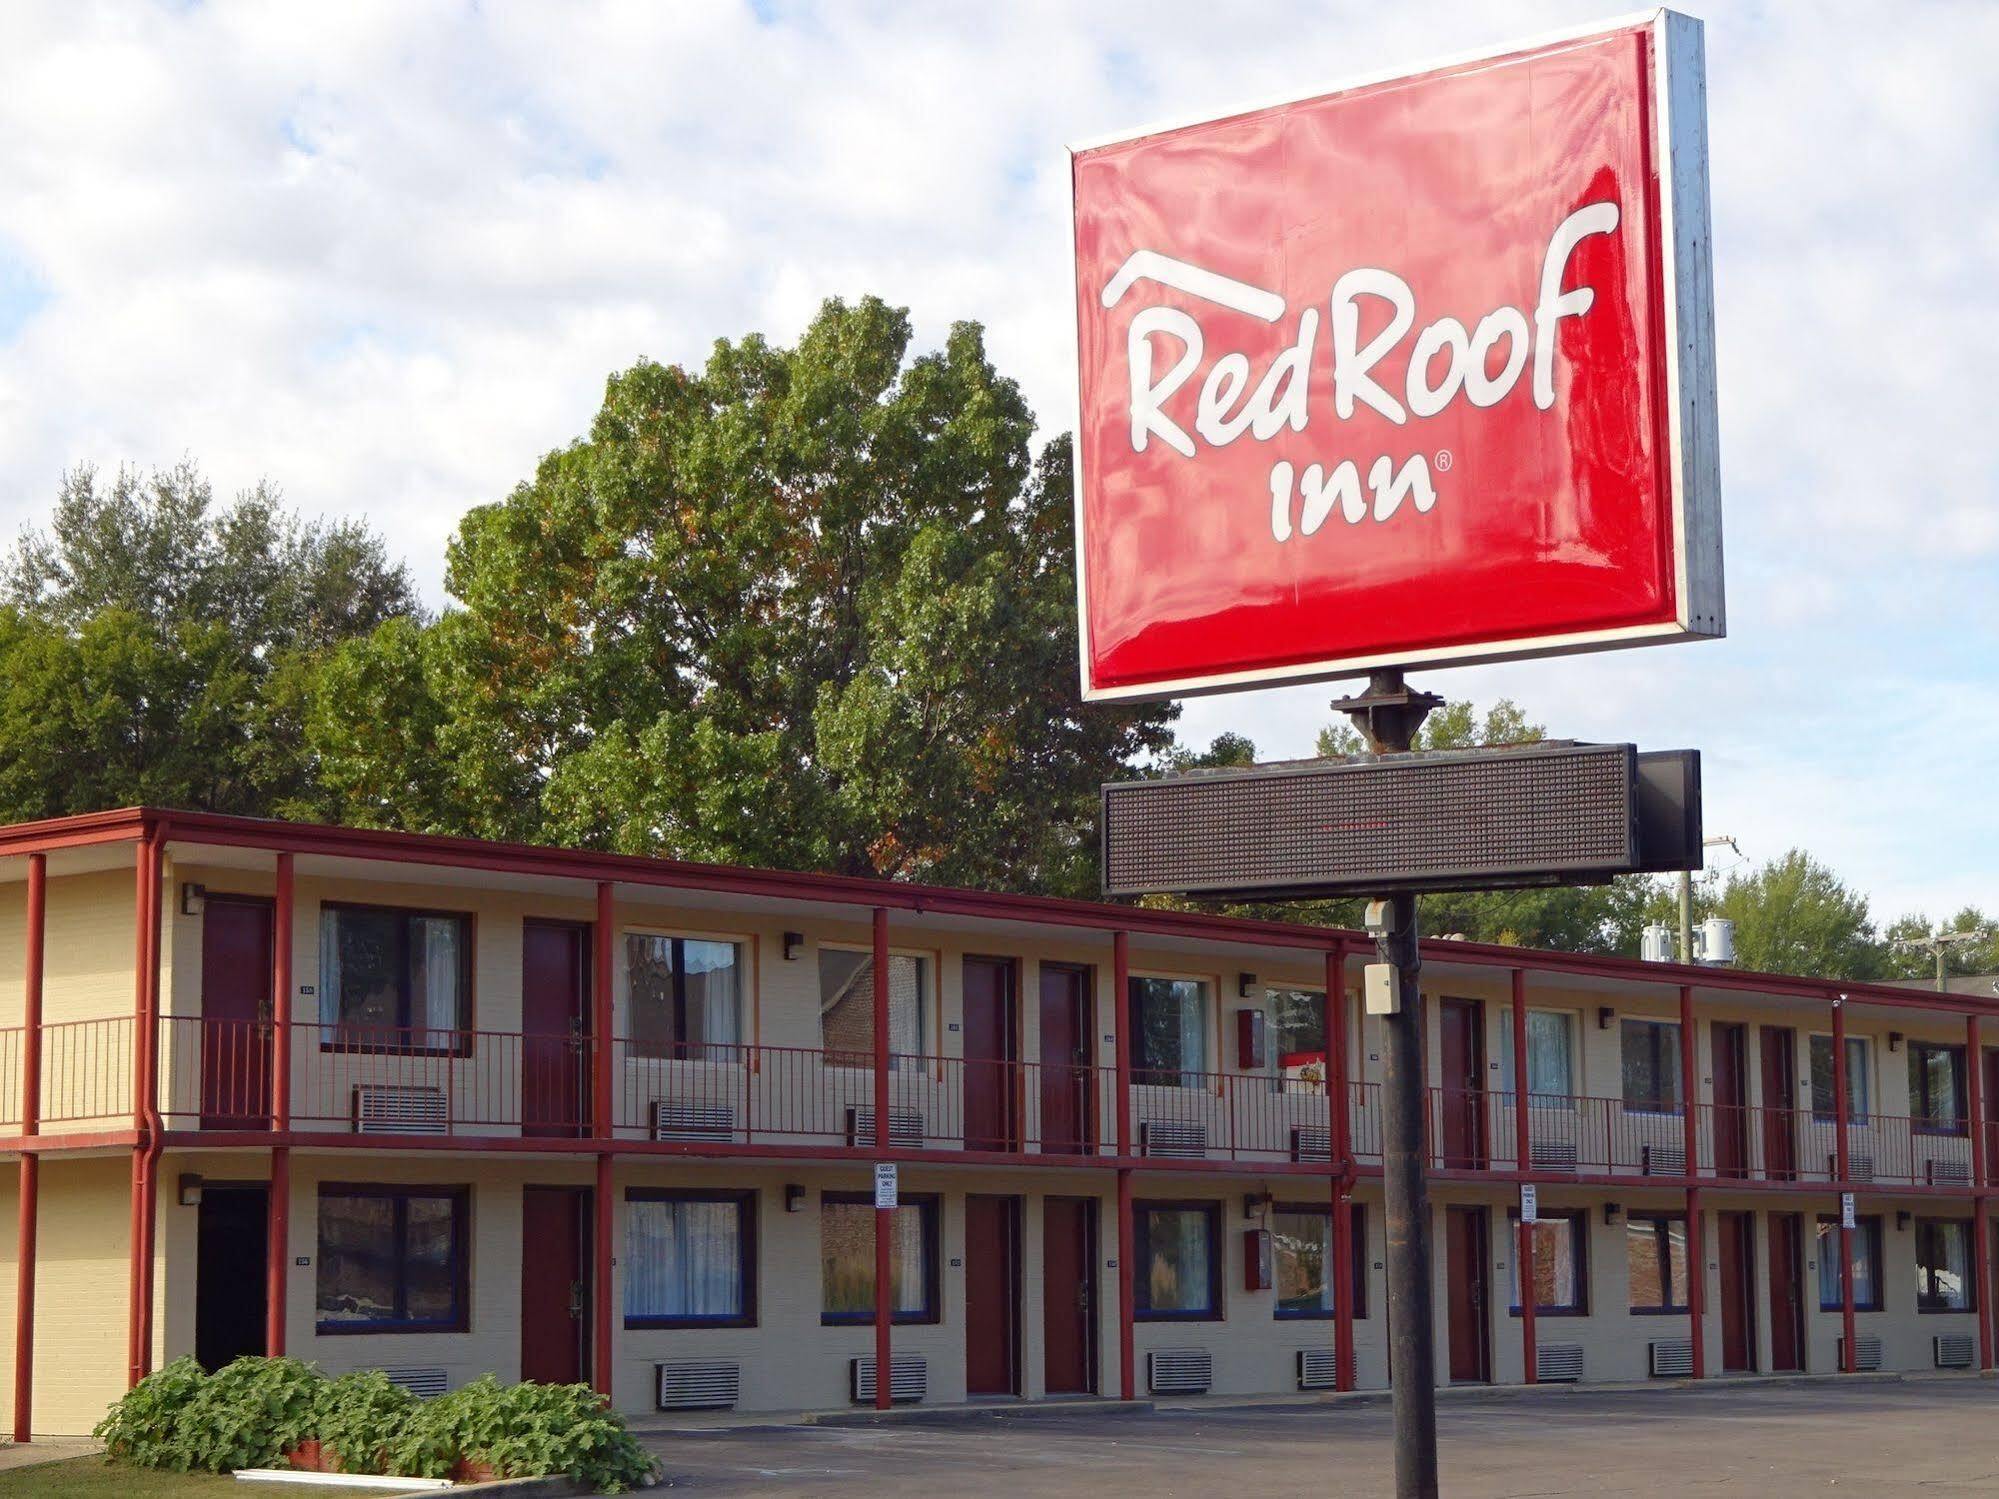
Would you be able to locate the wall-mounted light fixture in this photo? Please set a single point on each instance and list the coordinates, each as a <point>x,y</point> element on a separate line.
<point>1902,1220</point>
<point>1894,1040</point>
<point>794,1198</point>
<point>190,1190</point>
<point>193,898</point>
<point>794,944</point>
<point>1612,1212</point>
<point>1604,1016</point>
<point>1245,986</point>
<point>1254,1204</point>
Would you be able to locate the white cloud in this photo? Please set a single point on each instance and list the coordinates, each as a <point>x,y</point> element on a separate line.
<point>386,254</point>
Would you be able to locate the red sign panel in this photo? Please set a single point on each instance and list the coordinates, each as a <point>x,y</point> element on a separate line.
<point>1417,371</point>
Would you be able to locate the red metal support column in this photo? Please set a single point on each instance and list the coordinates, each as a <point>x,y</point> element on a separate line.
<point>28,1205</point>
<point>1849,1360</point>
<point>1530,1363</point>
<point>278,1247</point>
<point>884,1217</point>
<point>1690,1141</point>
<point>1974,1070</point>
<point>602,1121</point>
<point>1121,1006</point>
<point>1339,1274</point>
<point>146,1115</point>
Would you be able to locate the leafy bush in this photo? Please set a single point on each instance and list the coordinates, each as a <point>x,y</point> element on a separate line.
<point>522,1430</point>
<point>250,1413</point>
<point>145,1427</point>
<point>360,1415</point>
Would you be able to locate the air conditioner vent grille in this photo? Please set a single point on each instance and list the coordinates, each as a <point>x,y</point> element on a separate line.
<point>1179,1371</point>
<point>1867,1352</point>
<point>908,1378</point>
<point>1318,1369</point>
<point>905,1128</point>
<point>1173,1139</point>
<point>424,1383</point>
<point>1559,1363</point>
<point>690,1385</point>
<point>690,1121</point>
<point>1954,1350</point>
<point>384,1109</point>
<point>1671,1358</point>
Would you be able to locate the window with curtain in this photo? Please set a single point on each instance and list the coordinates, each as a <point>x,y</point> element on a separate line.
<point>1936,1087</point>
<point>1178,1272</point>
<point>685,995</point>
<point>1944,1282</point>
<point>1651,1056</point>
<point>1866,1265</point>
<point>1301,1238</point>
<point>1859,1081</point>
<point>1169,1031</point>
<point>847,1259</point>
<point>391,1259</point>
<point>847,1006</point>
<point>1551,1068</point>
<point>1655,1260</point>
<point>1561,1263</point>
<point>395,978</point>
<point>690,1259</point>
<point>1297,1037</point>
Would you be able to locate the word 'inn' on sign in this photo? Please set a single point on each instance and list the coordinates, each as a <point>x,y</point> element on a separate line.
<point>1228,406</point>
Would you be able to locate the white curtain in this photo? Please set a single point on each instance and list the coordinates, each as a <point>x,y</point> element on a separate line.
<point>329,968</point>
<point>683,1259</point>
<point>435,1004</point>
<point>712,1008</point>
<point>905,1005</point>
<point>1193,1031</point>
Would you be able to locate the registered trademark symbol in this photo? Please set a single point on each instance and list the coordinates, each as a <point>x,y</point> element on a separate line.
<point>1444,461</point>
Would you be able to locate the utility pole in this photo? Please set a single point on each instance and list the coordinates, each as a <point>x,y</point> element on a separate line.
<point>1388,715</point>
<point>1939,943</point>
<point>1720,840</point>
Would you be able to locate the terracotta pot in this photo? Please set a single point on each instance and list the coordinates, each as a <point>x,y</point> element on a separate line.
<point>310,1457</point>
<point>470,1471</point>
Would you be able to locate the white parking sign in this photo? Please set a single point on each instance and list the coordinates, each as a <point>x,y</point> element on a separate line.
<point>885,1184</point>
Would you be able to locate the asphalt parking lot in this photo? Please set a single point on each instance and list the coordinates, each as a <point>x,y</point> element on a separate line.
<point>1934,1437</point>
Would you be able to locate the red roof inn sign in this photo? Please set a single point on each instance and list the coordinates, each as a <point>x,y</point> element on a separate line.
<point>1416,371</point>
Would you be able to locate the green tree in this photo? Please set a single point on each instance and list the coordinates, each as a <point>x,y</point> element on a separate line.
<point>1904,957</point>
<point>809,607</point>
<point>1794,915</point>
<point>152,643</point>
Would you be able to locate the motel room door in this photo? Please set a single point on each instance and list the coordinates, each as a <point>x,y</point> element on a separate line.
<point>1727,1045</point>
<point>1467,1254</point>
<point>231,1269</point>
<point>1462,1099</point>
<point>992,1074</point>
<point>555,1300</point>
<point>1069,1295</point>
<point>555,1009</point>
<point>992,1295</point>
<point>1737,1253</point>
<point>236,943</point>
<point>1779,1046</point>
<point>1066,1102</point>
<point>1787,1315</point>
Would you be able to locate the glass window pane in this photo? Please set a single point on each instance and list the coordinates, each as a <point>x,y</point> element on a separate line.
<point>360,968</point>
<point>1651,1065</point>
<point>1303,1244</point>
<point>357,1259</point>
<point>1943,1265</point>
<point>713,989</point>
<point>1169,1030</point>
<point>1656,1262</point>
<point>1298,1027</point>
<point>437,965</point>
<point>847,1258</point>
<point>430,1264</point>
<point>1176,1275</point>
<point>909,1266</point>
<point>684,1258</point>
<point>649,993</point>
<point>847,1004</point>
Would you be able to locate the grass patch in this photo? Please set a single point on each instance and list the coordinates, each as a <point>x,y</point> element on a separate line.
<point>97,1478</point>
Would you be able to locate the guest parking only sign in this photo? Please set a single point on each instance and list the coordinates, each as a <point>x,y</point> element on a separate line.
<point>1415,371</point>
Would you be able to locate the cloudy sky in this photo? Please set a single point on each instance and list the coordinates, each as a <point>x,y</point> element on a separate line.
<point>385,255</point>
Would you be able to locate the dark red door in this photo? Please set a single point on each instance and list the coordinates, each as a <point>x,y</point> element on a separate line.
<point>555,1251</point>
<point>555,1060</point>
<point>236,1013</point>
<point>1731,1098</point>
<point>992,1295</point>
<point>1787,1321</point>
<point>1738,1296</point>
<point>1462,1101</point>
<point>1069,1294</point>
<point>1067,1098</point>
<point>992,1080</point>
<point>1780,1101</point>
<point>1465,1253</point>
<point>1991,1115</point>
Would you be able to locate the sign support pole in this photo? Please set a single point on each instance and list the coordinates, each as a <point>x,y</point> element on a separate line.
<point>1388,715</point>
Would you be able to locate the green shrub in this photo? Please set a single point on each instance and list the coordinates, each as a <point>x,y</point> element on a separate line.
<point>145,1426</point>
<point>523,1430</point>
<point>250,1413</point>
<point>359,1416</point>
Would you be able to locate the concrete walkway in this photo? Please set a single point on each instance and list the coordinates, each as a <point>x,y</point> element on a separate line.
<point>45,1450</point>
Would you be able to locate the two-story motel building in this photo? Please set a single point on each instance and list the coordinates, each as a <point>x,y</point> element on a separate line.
<point>444,1107</point>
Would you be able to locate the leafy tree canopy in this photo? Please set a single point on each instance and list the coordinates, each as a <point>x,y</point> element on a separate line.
<point>1907,955</point>
<point>810,607</point>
